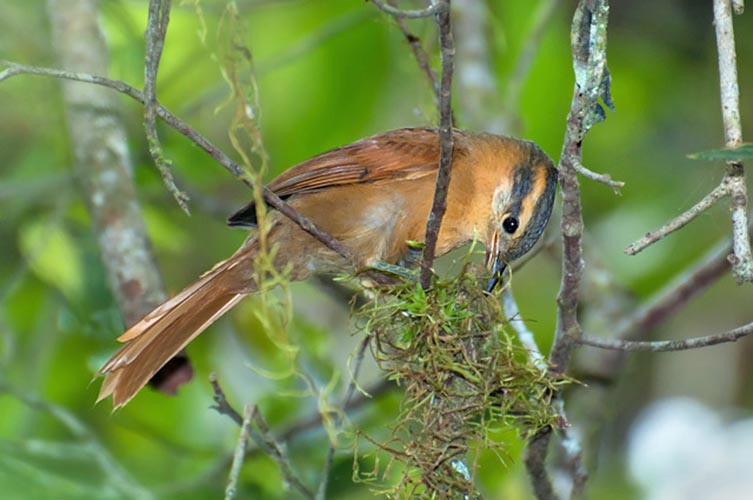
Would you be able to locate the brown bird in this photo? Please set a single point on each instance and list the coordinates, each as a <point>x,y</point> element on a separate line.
<point>373,196</point>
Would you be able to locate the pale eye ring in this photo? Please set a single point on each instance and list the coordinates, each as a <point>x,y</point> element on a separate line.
<point>510,224</point>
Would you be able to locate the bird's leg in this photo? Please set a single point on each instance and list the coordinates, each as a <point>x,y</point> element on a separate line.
<point>401,272</point>
<point>412,258</point>
<point>406,267</point>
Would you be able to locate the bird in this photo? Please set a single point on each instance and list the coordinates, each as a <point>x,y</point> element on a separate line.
<point>373,196</point>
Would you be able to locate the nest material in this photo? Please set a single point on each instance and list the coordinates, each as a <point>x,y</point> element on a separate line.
<point>465,379</point>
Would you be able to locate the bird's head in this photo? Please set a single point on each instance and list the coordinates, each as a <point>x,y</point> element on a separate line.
<point>521,206</point>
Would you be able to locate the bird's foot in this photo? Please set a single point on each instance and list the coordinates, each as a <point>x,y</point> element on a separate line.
<point>394,270</point>
<point>412,258</point>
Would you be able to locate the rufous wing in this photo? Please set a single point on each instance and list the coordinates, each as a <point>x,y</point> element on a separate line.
<point>406,154</point>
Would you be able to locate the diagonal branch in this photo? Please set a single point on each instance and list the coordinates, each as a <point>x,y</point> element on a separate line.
<point>678,222</point>
<point>669,345</point>
<point>14,69</point>
<point>422,58</point>
<point>733,182</point>
<point>262,436</point>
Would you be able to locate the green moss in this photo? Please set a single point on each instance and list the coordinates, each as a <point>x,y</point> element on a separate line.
<point>465,379</point>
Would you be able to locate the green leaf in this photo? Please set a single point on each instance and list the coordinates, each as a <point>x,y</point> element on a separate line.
<point>744,152</point>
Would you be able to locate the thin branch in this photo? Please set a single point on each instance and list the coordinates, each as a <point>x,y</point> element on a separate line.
<point>240,452</point>
<point>573,458</point>
<point>680,221</point>
<point>669,345</point>
<point>159,17</point>
<point>729,90</point>
<point>446,143</point>
<point>221,404</point>
<point>733,183</point>
<point>422,58</point>
<point>738,6</point>
<point>734,180</point>
<point>570,443</point>
<point>432,9</point>
<point>605,179</point>
<point>321,493</point>
<point>262,437</point>
<point>280,455</point>
<point>274,201</point>
<point>588,38</point>
<point>678,293</point>
<point>104,174</point>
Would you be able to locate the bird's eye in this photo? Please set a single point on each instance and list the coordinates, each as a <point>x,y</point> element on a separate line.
<point>510,224</point>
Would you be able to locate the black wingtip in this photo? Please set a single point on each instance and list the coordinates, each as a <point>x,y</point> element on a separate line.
<point>245,217</point>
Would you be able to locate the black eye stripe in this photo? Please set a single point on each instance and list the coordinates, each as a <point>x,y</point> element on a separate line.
<point>522,185</point>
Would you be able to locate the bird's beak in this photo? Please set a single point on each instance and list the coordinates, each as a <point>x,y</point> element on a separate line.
<point>494,263</point>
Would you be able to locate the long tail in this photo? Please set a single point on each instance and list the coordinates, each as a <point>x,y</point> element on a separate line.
<point>153,341</point>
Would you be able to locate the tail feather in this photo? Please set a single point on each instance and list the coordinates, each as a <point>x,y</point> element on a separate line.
<point>153,341</point>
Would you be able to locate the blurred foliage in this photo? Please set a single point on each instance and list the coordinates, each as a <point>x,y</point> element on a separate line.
<point>329,72</point>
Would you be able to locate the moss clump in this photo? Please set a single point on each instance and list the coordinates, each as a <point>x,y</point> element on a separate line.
<point>464,377</point>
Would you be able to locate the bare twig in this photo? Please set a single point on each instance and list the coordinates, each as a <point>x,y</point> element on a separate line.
<point>589,40</point>
<point>738,6</point>
<point>605,179</point>
<point>279,454</point>
<point>221,404</point>
<point>14,69</point>
<point>570,443</point>
<point>742,264</point>
<point>440,8</point>
<point>733,183</point>
<point>159,17</point>
<point>432,9</point>
<point>676,294</point>
<point>678,222</point>
<point>669,345</point>
<point>576,468</point>
<point>321,493</point>
<point>240,452</point>
<point>263,438</point>
<point>447,49</point>
<point>422,58</point>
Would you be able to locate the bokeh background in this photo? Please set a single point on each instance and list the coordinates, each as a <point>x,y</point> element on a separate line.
<point>330,72</point>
